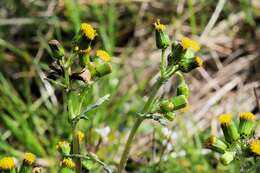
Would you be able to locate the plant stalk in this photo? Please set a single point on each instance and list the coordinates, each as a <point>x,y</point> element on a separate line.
<point>137,123</point>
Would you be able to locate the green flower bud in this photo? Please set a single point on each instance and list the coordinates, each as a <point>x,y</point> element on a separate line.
<point>189,62</point>
<point>179,102</point>
<point>246,123</point>
<point>27,164</point>
<point>216,144</point>
<point>227,157</point>
<point>175,55</point>
<point>166,106</point>
<point>68,166</point>
<point>57,49</point>
<point>183,89</point>
<point>229,128</point>
<point>162,38</point>
<point>170,116</point>
<point>103,69</point>
<point>63,147</point>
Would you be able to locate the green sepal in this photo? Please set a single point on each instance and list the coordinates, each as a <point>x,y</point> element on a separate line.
<point>103,69</point>
<point>188,61</point>
<point>170,116</point>
<point>245,127</point>
<point>183,89</point>
<point>166,106</point>
<point>66,170</point>
<point>216,144</point>
<point>25,168</point>
<point>179,102</point>
<point>175,55</point>
<point>227,157</point>
<point>230,132</point>
<point>162,39</point>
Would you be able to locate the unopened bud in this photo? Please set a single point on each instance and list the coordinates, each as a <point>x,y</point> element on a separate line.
<point>57,49</point>
<point>179,102</point>
<point>166,106</point>
<point>227,157</point>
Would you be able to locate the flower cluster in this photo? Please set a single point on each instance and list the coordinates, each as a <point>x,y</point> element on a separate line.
<point>81,65</point>
<point>238,141</point>
<point>7,164</point>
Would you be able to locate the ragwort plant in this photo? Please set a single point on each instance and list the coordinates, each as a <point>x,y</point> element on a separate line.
<point>238,144</point>
<point>182,59</point>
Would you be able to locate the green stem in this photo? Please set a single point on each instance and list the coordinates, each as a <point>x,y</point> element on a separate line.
<point>76,150</point>
<point>137,123</point>
<point>163,63</point>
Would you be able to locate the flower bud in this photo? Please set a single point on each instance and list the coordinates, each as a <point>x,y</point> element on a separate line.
<point>57,49</point>
<point>187,64</point>
<point>179,102</point>
<point>227,157</point>
<point>216,144</point>
<point>254,147</point>
<point>27,164</point>
<point>103,69</point>
<point>80,136</point>
<point>176,53</point>
<point>166,106</point>
<point>67,166</point>
<point>246,123</point>
<point>229,128</point>
<point>162,38</point>
<point>170,116</point>
<point>183,89</point>
<point>63,147</point>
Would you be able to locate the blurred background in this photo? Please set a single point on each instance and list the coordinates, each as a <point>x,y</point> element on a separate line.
<point>32,110</point>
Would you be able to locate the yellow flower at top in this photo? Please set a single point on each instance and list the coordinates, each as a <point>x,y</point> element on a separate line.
<point>68,163</point>
<point>255,146</point>
<point>188,43</point>
<point>29,158</point>
<point>225,119</point>
<point>80,136</point>
<point>103,55</point>
<point>247,116</point>
<point>88,30</point>
<point>6,163</point>
<point>158,26</point>
<point>199,61</point>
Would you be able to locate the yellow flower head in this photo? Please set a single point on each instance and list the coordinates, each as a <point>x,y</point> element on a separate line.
<point>80,136</point>
<point>225,119</point>
<point>199,61</point>
<point>103,55</point>
<point>68,163</point>
<point>158,26</point>
<point>211,140</point>
<point>188,43</point>
<point>62,144</point>
<point>255,146</point>
<point>6,163</point>
<point>88,30</point>
<point>247,116</point>
<point>29,158</point>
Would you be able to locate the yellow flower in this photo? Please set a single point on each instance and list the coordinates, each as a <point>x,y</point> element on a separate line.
<point>188,43</point>
<point>103,55</point>
<point>225,119</point>
<point>80,136</point>
<point>68,163</point>
<point>88,30</point>
<point>29,158</point>
<point>199,61</point>
<point>62,144</point>
<point>6,163</point>
<point>247,116</point>
<point>158,26</point>
<point>255,146</point>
